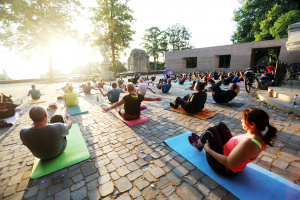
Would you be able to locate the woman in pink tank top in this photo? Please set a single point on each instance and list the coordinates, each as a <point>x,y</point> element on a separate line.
<point>228,155</point>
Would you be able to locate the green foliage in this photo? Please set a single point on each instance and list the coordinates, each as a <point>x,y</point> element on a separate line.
<point>151,42</point>
<point>2,77</point>
<point>178,37</point>
<point>255,18</point>
<point>120,67</point>
<point>160,65</point>
<point>279,30</point>
<point>27,24</point>
<point>272,63</point>
<point>112,26</point>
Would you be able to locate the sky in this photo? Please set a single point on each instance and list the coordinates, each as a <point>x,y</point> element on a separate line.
<point>210,23</point>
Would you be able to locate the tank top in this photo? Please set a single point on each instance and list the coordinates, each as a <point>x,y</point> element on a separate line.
<point>229,146</point>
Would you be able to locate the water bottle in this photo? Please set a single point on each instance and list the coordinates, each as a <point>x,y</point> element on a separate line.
<point>18,119</point>
<point>97,97</point>
<point>295,101</point>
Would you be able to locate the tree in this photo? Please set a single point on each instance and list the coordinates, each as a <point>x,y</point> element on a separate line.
<point>152,43</point>
<point>28,24</point>
<point>255,18</point>
<point>112,26</point>
<point>178,37</point>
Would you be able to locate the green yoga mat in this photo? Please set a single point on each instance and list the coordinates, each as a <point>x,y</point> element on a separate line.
<point>75,152</point>
<point>76,110</point>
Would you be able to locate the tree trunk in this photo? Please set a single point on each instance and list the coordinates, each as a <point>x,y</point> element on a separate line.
<point>113,59</point>
<point>155,63</point>
<point>50,56</point>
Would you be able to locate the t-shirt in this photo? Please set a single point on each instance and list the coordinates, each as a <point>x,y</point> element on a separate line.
<point>71,99</point>
<point>7,110</point>
<point>166,88</point>
<point>142,87</point>
<point>133,103</point>
<point>114,94</point>
<point>87,89</point>
<point>100,85</point>
<point>229,146</point>
<point>46,142</point>
<point>35,94</point>
<point>236,79</point>
<point>195,103</point>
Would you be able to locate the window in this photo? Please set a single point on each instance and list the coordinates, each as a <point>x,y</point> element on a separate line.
<point>191,62</point>
<point>224,61</point>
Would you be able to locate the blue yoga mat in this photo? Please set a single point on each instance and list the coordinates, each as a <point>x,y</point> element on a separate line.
<point>253,183</point>
<point>76,110</point>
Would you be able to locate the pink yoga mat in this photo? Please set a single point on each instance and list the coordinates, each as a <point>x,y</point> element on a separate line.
<point>141,120</point>
<point>11,120</point>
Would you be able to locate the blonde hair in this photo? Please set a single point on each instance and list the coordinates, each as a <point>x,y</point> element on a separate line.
<point>236,88</point>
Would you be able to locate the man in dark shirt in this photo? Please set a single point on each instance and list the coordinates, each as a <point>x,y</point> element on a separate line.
<point>7,109</point>
<point>45,141</point>
<point>228,80</point>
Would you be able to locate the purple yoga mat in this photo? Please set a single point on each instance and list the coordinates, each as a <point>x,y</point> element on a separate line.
<point>12,119</point>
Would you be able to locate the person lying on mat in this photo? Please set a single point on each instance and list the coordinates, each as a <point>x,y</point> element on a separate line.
<point>114,94</point>
<point>228,155</point>
<point>71,97</point>
<point>87,89</point>
<point>224,96</point>
<point>132,104</point>
<point>46,141</point>
<point>165,87</point>
<point>192,103</point>
<point>7,109</point>
<point>35,94</point>
<point>142,88</point>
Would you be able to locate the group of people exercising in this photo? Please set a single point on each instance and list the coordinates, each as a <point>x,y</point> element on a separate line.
<point>225,154</point>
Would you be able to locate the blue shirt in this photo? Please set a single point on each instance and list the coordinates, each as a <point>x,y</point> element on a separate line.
<point>166,88</point>
<point>114,94</point>
<point>35,94</point>
<point>236,79</point>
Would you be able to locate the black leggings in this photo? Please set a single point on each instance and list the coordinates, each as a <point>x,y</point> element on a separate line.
<point>217,137</point>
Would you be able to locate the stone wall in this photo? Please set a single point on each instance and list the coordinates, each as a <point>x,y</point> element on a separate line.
<point>138,61</point>
<point>208,58</point>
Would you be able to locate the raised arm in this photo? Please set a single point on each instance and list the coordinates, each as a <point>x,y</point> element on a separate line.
<point>151,91</point>
<point>121,102</point>
<point>105,95</point>
<point>69,120</point>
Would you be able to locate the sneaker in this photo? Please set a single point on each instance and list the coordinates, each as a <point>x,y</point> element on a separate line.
<point>173,106</point>
<point>194,143</point>
<point>195,136</point>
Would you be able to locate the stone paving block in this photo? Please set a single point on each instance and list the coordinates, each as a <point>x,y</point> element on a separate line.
<point>103,179</point>
<point>77,185</point>
<point>174,196</point>
<point>16,196</point>
<point>148,158</point>
<point>118,162</point>
<point>155,155</point>
<point>157,172</point>
<point>30,193</point>
<point>88,168</point>
<point>150,192</point>
<point>168,190</point>
<point>209,182</point>
<point>42,195</point>
<point>115,176</point>
<point>63,195</point>
<point>132,166</point>
<point>197,174</point>
<point>149,177</point>
<point>110,167</point>
<point>67,183</point>
<point>219,193</point>
<point>141,162</point>
<point>92,184</point>
<point>179,159</point>
<point>23,184</point>
<point>15,179</point>
<point>45,182</point>
<point>188,165</point>
<point>168,168</point>
<point>54,189</point>
<point>171,176</point>
<point>123,184</point>
<point>77,178</point>
<point>160,163</point>
<point>186,191</point>
<point>92,177</point>
<point>203,189</point>
<point>180,171</point>
<point>79,194</point>
<point>281,164</point>
<point>133,175</point>
<point>162,183</point>
<point>106,189</point>
<point>134,193</point>
<point>94,194</point>
<point>160,197</point>
<point>123,171</point>
<point>189,179</point>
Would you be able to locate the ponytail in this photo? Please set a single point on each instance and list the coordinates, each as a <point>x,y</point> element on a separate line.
<point>236,88</point>
<point>270,136</point>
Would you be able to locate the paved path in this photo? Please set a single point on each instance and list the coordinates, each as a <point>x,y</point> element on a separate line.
<point>134,163</point>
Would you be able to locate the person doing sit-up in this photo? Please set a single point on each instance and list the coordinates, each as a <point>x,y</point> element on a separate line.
<point>194,103</point>
<point>165,87</point>
<point>132,104</point>
<point>224,96</point>
<point>228,155</point>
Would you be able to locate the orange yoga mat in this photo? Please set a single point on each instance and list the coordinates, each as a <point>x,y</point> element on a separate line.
<point>203,114</point>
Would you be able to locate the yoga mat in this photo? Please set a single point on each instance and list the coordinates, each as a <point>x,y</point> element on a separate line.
<point>40,100</point>
<point>76,110</point>
<point>141,120</point>
<point>11,120</point>
<point>253,183</point>
<point>203,114</point>
<point>229,104</point>
<point>222,87</point>
<point>75,152</point>
<point>185,83</point>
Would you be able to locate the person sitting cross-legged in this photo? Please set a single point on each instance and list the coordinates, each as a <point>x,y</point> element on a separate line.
<point>142,88</point>
<point>46,141</point>
<point>165,87</point>
<point>114,94</point>
<point>35,94</point>
<point>71,97</point>
<point>7,109</point>
<point>194,103</point>
<point>132,104</point>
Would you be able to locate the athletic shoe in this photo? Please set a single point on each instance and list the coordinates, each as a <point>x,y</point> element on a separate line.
<point>195,136</point>
<point>194,143</point>
<point>173,106</point>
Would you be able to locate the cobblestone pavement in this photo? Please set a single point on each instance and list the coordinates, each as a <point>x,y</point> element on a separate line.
<point>134,162</point>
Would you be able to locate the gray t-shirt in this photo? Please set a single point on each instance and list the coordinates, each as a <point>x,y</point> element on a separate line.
<point>47,142</point>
